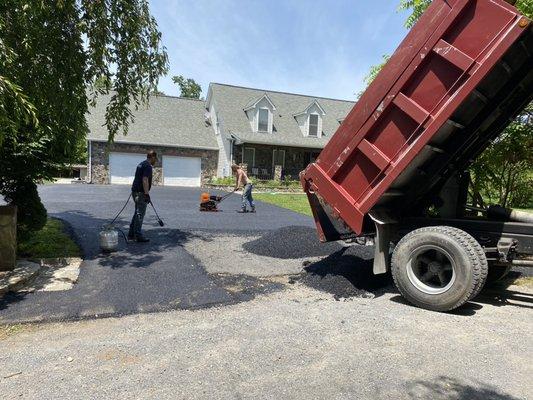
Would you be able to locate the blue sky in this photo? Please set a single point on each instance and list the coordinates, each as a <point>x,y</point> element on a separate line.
<point>319,48</point>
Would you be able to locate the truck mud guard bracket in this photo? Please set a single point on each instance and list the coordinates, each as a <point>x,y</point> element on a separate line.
<point>385,226</point>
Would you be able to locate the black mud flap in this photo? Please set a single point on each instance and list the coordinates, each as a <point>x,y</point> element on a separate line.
<point>329,226</point>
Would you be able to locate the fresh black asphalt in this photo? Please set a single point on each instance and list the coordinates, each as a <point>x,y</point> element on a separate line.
<point>274,242</point>
<point>155,276</point>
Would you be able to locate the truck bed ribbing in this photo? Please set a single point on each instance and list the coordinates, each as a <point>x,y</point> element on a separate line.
<point>449,89</point>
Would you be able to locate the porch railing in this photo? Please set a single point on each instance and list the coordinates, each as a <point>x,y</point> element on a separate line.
<point>268,174</point>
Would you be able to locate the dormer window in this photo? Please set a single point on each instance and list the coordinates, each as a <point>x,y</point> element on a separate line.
<point>260,114</point>
<point>310,120</point>
<point>263,117</point>
<point>313,124</point>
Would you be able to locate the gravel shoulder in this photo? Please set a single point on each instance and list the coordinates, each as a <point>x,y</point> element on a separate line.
<point>293,344</point>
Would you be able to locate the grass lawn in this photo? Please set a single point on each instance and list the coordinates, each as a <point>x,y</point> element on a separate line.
<point>49,242</point>
<point>293,201</point>
<point>298,201</point>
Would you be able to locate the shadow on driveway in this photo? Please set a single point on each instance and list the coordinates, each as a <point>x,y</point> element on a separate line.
<point>443,388</point>
<point>347,273</point>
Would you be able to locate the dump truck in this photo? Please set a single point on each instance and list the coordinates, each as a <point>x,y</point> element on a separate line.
<point>395,174</point>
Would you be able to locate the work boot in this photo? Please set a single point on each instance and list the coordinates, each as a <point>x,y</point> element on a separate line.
<point>131,238</point>
<point>141,239</point>
<point>242,210</point>
<point>253,209</point>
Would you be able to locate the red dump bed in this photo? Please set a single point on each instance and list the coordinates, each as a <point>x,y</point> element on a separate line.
<point>449,88</point>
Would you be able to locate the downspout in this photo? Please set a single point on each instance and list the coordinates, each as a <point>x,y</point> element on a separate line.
<point>90,163</point>
<point>231,143</point>
<point>231,140</point>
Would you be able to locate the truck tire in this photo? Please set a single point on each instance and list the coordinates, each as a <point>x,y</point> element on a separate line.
<point>483,264</point>
<point>439,268</point>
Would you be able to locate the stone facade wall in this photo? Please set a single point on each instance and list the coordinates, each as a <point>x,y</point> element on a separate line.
<point>296,158</point>
<point>100,160</point>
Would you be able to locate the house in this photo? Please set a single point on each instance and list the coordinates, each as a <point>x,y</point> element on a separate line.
<point>264,129</point>
<point>274,134</point>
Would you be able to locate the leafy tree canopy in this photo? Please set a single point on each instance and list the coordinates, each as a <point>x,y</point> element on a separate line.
<point>188,87</point>
<point>417,8</point>
<point>56,57</point>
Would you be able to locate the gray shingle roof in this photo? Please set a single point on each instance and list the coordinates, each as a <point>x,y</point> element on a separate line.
<point>167,121</point>
<point>230,102</point>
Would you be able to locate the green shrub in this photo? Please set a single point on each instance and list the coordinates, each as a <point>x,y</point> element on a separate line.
<point>230,181</point>
<point>31,214</point>
<point>49,242</point>
<point>227,181</point>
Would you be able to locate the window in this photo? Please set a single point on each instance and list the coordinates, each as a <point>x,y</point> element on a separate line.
<point>279,157</point>
<point>313,125</point>
<point>262,120</point>
<point>310,157</point>
<point>248,156</point>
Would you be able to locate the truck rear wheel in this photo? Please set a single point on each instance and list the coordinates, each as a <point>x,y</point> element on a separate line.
<point>439,268</point>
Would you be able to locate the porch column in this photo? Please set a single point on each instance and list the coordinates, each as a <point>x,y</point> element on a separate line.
<point>277,172</point>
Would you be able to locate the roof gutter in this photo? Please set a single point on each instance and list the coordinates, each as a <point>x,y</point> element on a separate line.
<point>234,138</point>
<point>241,142</point>
<point>155,144</point>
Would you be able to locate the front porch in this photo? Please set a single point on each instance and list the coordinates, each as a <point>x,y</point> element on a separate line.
<point>266,162</point>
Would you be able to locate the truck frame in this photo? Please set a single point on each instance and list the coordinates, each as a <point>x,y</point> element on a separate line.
<point>395,172</point>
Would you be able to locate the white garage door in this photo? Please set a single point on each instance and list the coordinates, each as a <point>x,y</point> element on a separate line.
<point>122,167</point>
<point>182,171</point>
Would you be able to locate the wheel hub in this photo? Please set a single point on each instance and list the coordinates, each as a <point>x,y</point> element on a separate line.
<point>431,269</point>
<point>434,267</point>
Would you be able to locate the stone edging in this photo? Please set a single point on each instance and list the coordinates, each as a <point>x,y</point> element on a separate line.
<point>16,279</point>
<point>27,272</point>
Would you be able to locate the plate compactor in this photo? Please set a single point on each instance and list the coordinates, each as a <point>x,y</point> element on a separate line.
<point>210,203</point>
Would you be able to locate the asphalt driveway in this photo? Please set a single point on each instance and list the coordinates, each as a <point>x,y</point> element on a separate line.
<point>156,276</point>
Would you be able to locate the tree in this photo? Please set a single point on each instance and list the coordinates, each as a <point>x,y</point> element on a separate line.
<point>56,58</point>
<point>504,172</point>
<point>188,87</point>
<point>374,71</point>
<point>417,7</point>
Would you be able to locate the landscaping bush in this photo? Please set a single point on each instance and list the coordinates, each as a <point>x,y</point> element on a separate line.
<point>286,183</point>
<point>50,242</point>
<point>31,212</point>
<point>227,181</point>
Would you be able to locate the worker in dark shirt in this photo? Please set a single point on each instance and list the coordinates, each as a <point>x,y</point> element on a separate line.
<point>140,191</point>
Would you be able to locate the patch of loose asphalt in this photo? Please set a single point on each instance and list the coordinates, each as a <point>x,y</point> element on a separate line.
<point>197,260</point>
